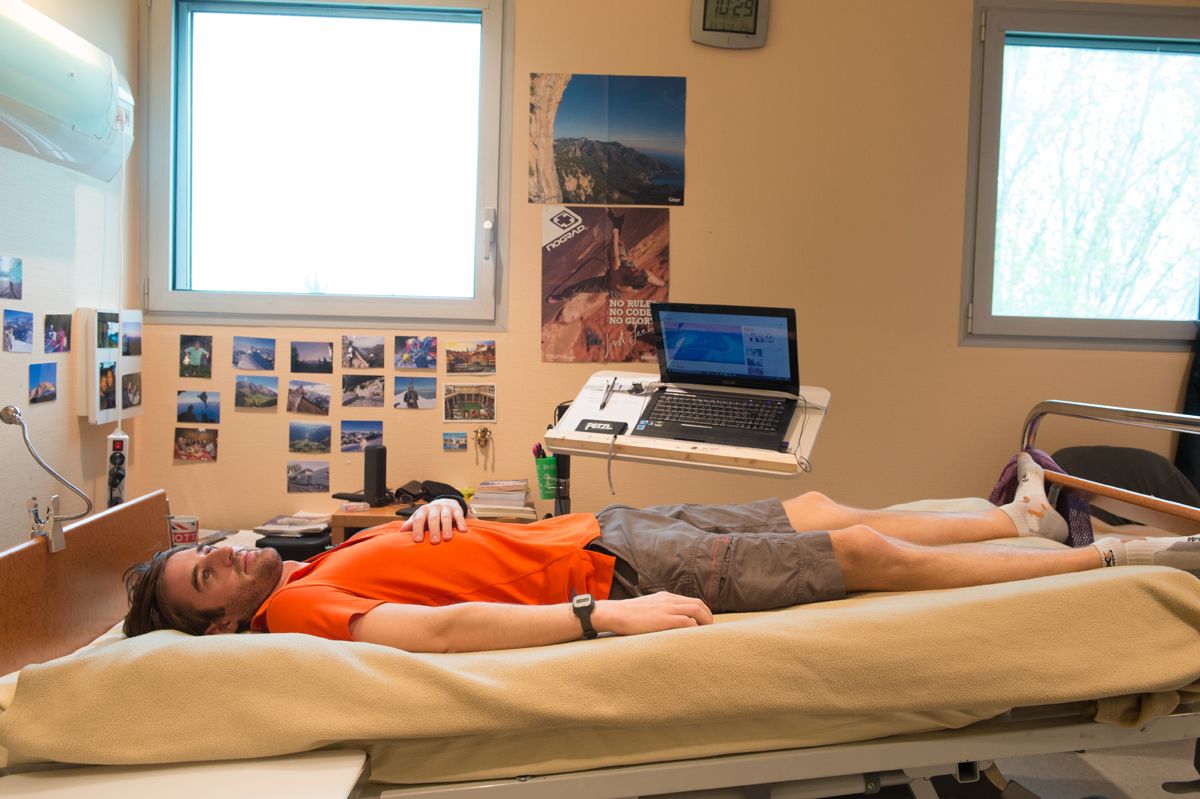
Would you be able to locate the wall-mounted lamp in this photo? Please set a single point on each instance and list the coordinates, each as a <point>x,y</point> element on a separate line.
<point>44,522</point>
<point>62,99</point>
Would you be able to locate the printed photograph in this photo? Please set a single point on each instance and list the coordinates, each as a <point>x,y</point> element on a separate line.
<point>256,391</point>
<point>43,382</point>
<point>195,356</point>
<point>131,338</point>
<point>312,437</point>
<point>416,352</point>
<point>362,352</point>
<point>131,390</point>
<point>363,391</point>
<point>307,477</point>
<point>18,331</point>
<point>314,357</point>
<point>454,442</point>
<point>469,402</point>
<point>414,392</point>
<point>108,330</point>
<point>601,269</point>
<point>306,397</point>
<point>107,382</point>
<point>11,282</point>
<point>58,332</point>
<point>195,444</point>
<point>198,406</point>
<point>253,354</point>
<point>606,139</point>
<point>471,357</point>
<point>356,435</point>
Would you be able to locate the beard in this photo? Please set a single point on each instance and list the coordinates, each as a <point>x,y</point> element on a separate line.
<point>264,570</point>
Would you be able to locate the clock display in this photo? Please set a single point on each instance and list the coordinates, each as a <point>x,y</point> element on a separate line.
<point>731,16</point>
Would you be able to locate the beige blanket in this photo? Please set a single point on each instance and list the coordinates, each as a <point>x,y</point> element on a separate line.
<point>865,667</point>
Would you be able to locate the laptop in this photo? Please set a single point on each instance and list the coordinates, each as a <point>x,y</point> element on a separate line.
<point>728,375</point>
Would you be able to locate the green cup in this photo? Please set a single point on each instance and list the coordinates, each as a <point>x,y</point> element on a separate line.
<point>547,477</point>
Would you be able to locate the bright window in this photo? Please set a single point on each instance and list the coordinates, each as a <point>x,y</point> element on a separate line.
<point>333,160</point>
<point>1088,175</point>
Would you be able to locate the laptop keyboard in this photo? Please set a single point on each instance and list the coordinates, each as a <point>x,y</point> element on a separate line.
<point>742,413</point>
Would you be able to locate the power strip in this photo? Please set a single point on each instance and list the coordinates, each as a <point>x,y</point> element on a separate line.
<point>118,455</point>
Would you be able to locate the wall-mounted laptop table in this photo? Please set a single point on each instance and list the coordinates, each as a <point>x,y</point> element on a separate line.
<point>623,406</point>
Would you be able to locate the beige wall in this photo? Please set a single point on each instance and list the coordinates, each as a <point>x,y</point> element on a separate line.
<point>827,172</point>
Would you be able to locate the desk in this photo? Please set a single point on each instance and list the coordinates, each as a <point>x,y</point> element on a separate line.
<point>342,522</point>
<point>625,407</point>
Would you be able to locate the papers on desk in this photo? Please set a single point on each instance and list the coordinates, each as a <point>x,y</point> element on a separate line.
<point>296,525</point>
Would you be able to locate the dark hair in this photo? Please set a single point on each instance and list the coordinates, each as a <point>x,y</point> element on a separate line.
<point>147,610</point>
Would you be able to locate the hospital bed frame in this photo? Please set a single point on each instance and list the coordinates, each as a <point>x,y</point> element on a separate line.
<point>50,604</point>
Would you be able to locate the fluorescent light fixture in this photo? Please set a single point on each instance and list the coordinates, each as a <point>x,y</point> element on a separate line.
<point>62,99</point>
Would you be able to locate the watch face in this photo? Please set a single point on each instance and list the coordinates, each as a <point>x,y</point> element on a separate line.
<point>581,601</point>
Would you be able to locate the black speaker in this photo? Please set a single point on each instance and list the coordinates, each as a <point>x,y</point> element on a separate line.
<point>375,490</point>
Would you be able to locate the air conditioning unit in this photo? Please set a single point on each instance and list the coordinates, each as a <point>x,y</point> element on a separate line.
<point>62,99</point>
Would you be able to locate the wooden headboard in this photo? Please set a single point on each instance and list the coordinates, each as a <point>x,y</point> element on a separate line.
<point>54,603</point>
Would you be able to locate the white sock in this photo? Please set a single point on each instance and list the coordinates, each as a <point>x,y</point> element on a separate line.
<point>1030,511</point>
<point>1175,551</point>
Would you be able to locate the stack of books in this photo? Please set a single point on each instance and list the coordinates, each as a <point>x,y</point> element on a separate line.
<point>296,525</point>
<point>503,499</point>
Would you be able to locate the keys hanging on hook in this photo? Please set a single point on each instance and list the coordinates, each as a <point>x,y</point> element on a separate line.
<point>482,436</point>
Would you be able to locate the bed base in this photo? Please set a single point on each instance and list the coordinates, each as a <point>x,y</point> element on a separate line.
<point>862,767</point>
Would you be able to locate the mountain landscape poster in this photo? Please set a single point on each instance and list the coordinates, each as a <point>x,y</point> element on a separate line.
<point>606,139</point>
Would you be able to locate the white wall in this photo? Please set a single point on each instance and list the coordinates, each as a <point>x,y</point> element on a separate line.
<point>66,227</point>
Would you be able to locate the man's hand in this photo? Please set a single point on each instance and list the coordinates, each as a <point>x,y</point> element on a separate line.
<point>649,613</point>
<point>440,518</point>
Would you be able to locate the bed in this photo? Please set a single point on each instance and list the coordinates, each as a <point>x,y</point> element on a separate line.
<point>837,698</point>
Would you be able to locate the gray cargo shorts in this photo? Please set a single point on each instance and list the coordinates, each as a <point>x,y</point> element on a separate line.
<point>735,558</point>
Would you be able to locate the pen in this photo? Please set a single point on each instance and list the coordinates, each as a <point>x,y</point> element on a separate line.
<point>608,390</point>
<point>538,452</point>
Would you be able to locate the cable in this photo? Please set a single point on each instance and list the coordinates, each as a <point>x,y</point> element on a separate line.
<point>122,123</point>
<point>801,461</point>
<point>612,443</point>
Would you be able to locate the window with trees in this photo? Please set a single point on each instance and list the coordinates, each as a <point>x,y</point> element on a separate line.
<point>1087,173</point>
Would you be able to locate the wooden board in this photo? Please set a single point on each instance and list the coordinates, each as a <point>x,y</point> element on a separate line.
<point>54,603</point>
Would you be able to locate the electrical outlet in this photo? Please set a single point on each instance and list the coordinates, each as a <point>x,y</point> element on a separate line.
<point>118,457</point>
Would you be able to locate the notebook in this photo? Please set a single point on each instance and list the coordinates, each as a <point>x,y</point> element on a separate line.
<point>728,375</point>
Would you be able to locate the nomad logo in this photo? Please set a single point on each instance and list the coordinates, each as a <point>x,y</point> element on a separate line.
<point>570,223</point>
<point>601,426</point>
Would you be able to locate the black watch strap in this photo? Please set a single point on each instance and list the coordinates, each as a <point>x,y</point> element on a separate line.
<point>582,606</point>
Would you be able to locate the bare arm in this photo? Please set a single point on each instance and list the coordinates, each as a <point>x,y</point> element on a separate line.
<point>481,626</point>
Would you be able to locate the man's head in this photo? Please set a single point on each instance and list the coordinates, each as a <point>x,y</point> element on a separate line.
<point>200,590</point>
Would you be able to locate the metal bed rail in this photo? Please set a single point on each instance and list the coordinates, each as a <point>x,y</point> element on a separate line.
<point>1145,508</point>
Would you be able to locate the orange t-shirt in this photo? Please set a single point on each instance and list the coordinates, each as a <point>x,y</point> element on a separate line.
<point>523,564</point>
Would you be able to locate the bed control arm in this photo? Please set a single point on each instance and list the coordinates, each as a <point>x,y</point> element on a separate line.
<point>1152,510</point>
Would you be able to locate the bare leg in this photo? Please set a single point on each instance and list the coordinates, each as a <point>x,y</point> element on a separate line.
<point>871,561</point>
<point>815,511</point>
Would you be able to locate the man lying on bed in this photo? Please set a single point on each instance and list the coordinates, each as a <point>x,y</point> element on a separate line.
<point>504,586</point>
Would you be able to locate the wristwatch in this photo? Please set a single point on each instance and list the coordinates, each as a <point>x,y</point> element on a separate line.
<point>582,606</point>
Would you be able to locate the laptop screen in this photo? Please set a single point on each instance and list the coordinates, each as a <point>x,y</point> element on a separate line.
<point>726,345</point>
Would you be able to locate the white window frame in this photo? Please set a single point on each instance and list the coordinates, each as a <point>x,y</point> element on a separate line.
<point>993,19</point>
<point>160,236</point>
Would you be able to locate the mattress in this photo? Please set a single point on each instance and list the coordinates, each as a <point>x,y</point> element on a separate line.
<point>1124,641</point>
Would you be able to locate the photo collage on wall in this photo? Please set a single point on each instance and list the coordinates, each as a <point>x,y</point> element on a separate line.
<point>363,382</point>
<point>605,144</point>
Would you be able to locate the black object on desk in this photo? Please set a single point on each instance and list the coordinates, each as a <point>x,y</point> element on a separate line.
<point>296,547</point>
<point>562,494</point>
